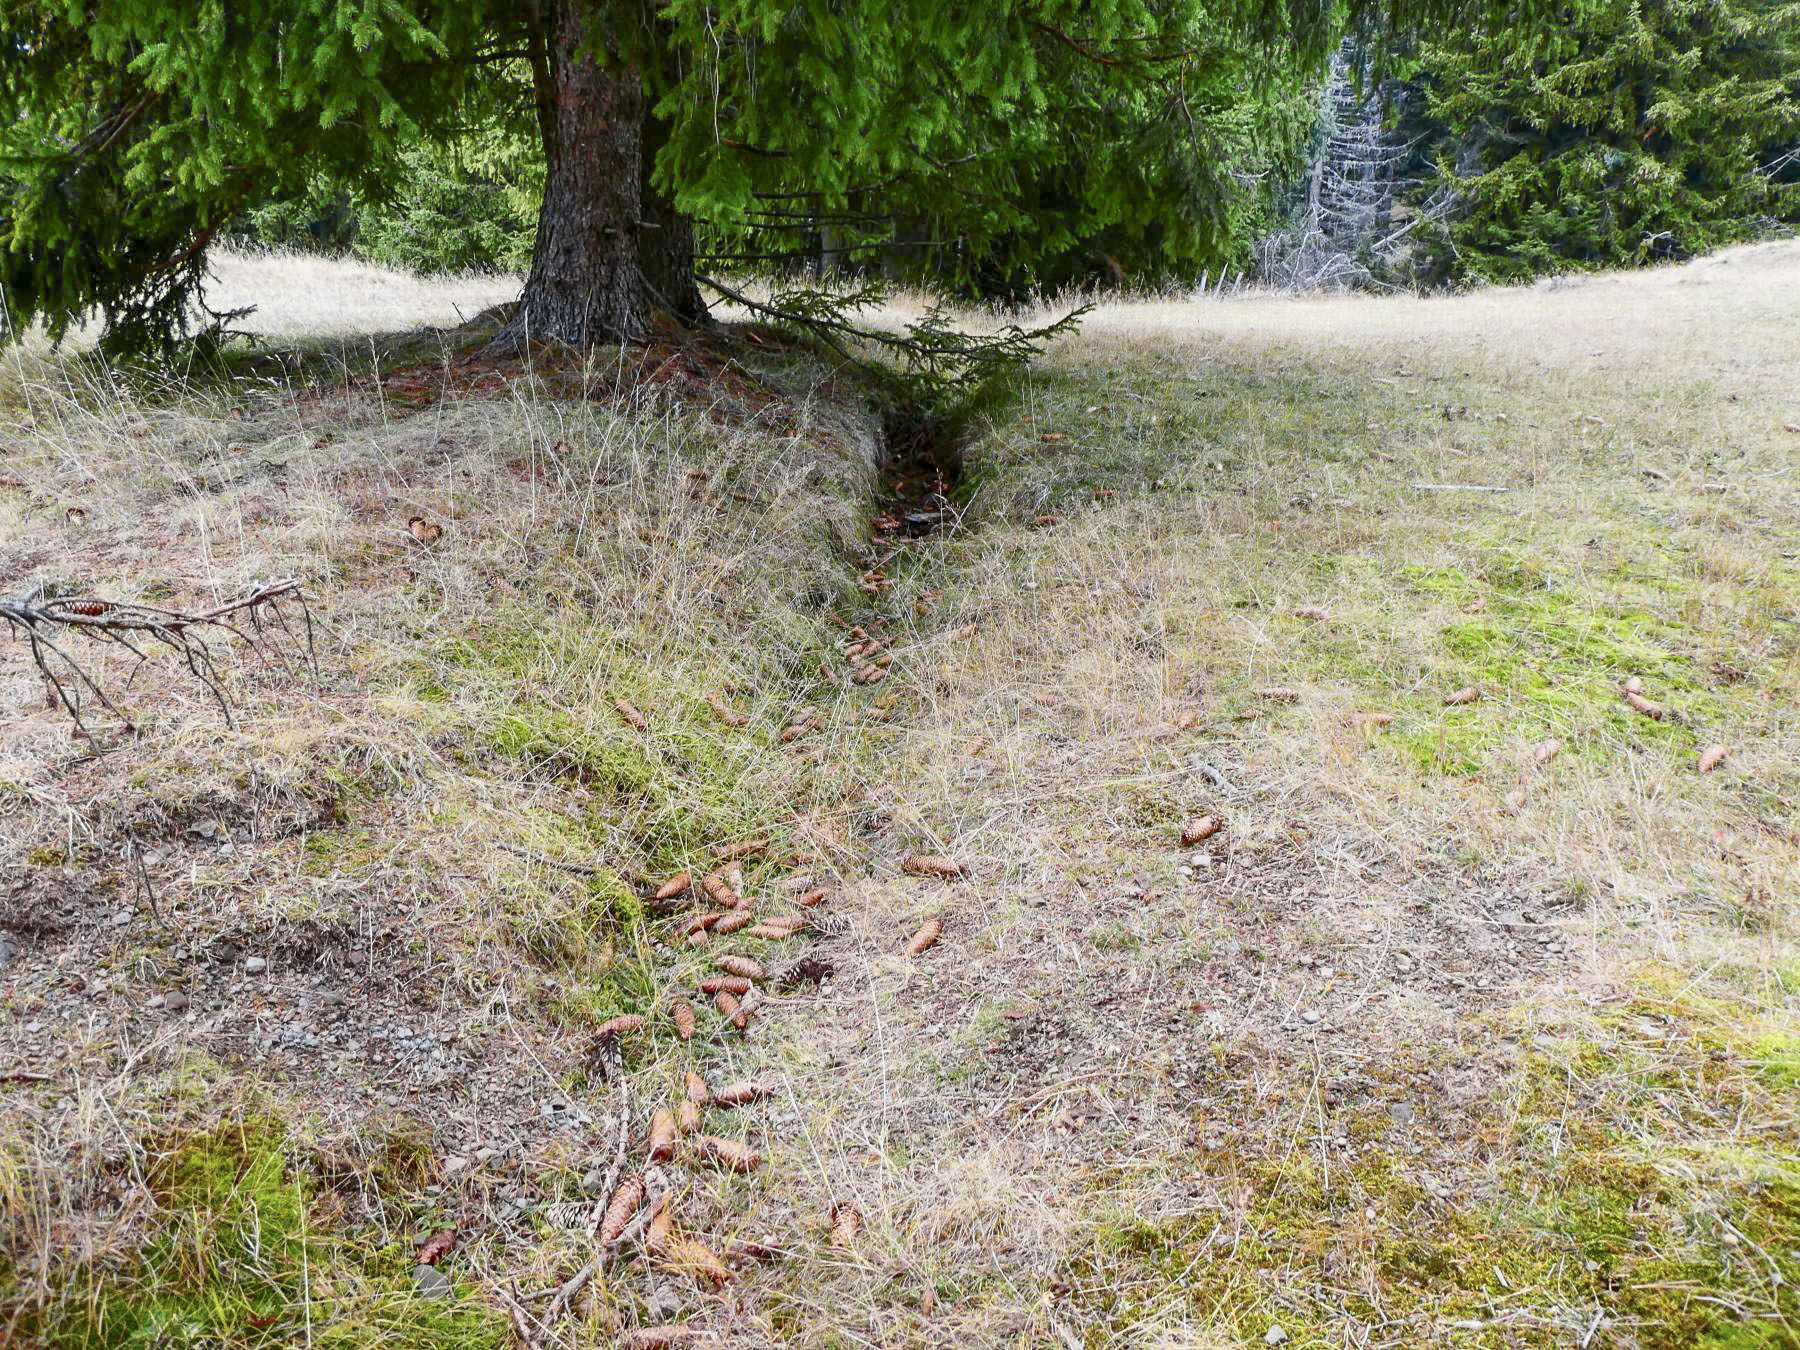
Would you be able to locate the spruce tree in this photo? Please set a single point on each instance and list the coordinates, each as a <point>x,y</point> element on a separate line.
<point>1635,131</point>
<point>132,131</point>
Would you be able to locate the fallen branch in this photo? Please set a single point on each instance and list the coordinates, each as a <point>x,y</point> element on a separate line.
<point>1456,487</point>
<point>259,621</point>
<point>545,860</point>
<point>615,1069</point>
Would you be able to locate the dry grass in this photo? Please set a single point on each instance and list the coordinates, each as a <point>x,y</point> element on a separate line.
<point>1430,1044</point>
<point>299,297</point>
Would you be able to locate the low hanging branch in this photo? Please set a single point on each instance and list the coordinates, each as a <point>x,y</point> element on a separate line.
<point>273,621</point>
<point>930,345</point>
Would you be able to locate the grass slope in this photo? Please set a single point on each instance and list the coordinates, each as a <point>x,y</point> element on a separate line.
<point>1432,1043</point>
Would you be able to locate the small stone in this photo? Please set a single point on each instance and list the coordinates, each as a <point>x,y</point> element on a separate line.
<point>484,1155</point>
<point>122,918</point>
<point>1401,1113</point>
<point>1275,1335</point>
<point>174,1000</point>
<point>1404,965</point>
<point>32,1028</point>
<point>592,1181</point>
<point>1310,1017</point>
<point>155,1003</point>
<point>255,965</point>
<point>430,1282</point>
<point>455,1166</point>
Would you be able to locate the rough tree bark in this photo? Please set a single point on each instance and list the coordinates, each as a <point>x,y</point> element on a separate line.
<point>610,250</point>
<point>666,239</point>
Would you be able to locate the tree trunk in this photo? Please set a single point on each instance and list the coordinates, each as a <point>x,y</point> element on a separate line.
<point>666,241</point>
<point>586,284</point>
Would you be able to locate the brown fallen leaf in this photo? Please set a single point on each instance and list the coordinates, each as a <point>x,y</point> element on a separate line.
<point>932,865</point>
<point>436,1247</point>
<point>631,714</point>
<point>694,1258</point>
<point>687,1117</point>
<point>728,1153</point>
<point>620,1026</point>
<point>927,934</point>
<point>697,1091</point>
<point>741,965</point>
<point>737,1094</point>
<point>625,1202</point>
<point>1644,705</point>
<point>846,1223</point>
<point>1467,694</point>
<point>731,984</point>
<point>726,714</point>
<point>1712,757</point>
<point>662,1137</point>
<point>1545,750</point>
<point>683,1013</point>
<point>1197,829</point>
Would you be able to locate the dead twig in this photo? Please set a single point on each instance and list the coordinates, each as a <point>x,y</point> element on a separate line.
<point>614,1069</point>
<point>545,860</point>
<point>258,620</point>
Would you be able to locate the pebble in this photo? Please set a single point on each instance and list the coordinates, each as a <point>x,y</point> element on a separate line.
<point>122,918</point>
<point>174,1000</point>
<point>1275,1335</point>
<point>430,1282</point>
<point>33,1028</point>
<point>1401,1113</point>
<point>1310,1017</point>
<point>455,1166</point>
<point>591,1182</point>
<point>255,965</point>
<point>1404,965</point>
<point>8,950</point>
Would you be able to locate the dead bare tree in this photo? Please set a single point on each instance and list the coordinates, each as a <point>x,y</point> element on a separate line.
<point>1358,205</point>
<point>273,621</point>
